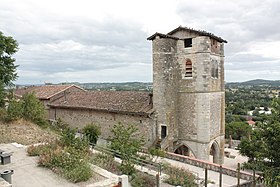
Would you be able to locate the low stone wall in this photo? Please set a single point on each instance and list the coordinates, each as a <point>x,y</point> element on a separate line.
<point>248,184</point>
<point>209,165</point>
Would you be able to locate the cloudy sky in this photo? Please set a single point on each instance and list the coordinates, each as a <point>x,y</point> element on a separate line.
<point>105,40</point>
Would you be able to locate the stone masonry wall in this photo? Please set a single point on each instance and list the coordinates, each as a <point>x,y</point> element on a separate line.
<point>165,81</point>
<point>215,114</point>
<point>78,118</point>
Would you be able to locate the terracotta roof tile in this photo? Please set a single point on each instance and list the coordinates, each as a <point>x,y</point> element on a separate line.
<point>250,122</point>
<point>44,92</point>
<point>113,101</point>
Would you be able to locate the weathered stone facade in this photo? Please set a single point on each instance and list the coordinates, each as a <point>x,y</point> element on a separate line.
<point>79,118</point>
<point>106,109</point>
<point>188,91</point>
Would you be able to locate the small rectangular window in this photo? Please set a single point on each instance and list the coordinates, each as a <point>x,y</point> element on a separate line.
<point>163,132</point>
<point>188,42</point>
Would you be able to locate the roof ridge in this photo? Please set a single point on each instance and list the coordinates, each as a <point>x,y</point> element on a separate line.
<point>203,32</point>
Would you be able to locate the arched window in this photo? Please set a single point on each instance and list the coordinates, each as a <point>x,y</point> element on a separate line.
<point>188,68</point>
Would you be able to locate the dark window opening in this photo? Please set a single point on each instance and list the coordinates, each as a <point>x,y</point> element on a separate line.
<point>140,121</point>
<point>188,42</point>
<point>183,150</point>
<point>163,132</point>
<point>213,72</point>
<point>214,43</point>
<point>188,68</point>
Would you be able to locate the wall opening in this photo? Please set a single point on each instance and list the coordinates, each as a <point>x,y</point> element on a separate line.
<point>163,131</point>
<point>214,153</point>
<point>188,42</point>
<point>188,68</point>
<point>184,150</point>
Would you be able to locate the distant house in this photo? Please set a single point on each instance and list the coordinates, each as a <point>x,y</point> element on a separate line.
<point>106,109</point>
<point>251,122</point>
<point>260,110</point>
<point>48,93</point>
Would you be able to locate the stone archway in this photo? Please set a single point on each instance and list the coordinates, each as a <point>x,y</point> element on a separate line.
<point>215,152</point>
<point>184,150</point>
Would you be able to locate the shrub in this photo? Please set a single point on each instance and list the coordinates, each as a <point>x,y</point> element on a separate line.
<point>107,162</point>
<point>78,172</point>
<point>33,109</point>
<point>37,150</point>
<point>179,176</point>
<point>3,114</point>
<point>127,142</point>
<point>69,139</point>
<point>92,132</point>
<point>2,94</point>
<point>142,180</point>
<point>14,110</point>
<point>60,125</point>
<point>156,152</point>
<point>29,108</point>
<point>68,156</point>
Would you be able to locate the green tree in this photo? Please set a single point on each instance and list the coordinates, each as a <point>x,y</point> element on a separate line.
<point>29,108</point>
<point>262,147</point>
<point>91,131</point>
<point>32,108</point>
<point>2,95</point>
<point>14,111</point>
<point>8,47</point>
<point>238,130</point>
<point>126,142</point>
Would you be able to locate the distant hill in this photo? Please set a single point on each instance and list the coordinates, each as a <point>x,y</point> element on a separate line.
<point>124,86</point>
<point>256,82</point>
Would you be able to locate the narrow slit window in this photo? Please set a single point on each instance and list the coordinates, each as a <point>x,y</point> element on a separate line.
<point>188,68</point>
<point>188,42</point>
<point>163,132</point>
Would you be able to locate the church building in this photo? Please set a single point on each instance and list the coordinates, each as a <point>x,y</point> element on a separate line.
<point>185,113</point>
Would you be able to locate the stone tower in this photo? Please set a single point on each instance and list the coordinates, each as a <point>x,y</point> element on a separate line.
<point>188,92</point>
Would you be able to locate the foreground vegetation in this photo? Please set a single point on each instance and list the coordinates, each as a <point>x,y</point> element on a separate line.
<point>126,144</point>
<point>262,147</point>
<point>68,156</point>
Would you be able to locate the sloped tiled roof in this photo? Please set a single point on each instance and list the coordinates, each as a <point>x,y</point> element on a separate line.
<point>111,101</point>
<point>44,92</point>
<point>250,122</point>
<point>198,32</point>
<point>162,36</point>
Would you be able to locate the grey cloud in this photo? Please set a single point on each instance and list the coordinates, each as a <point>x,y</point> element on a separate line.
<point>122,44</point>
<point>242,24</point>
